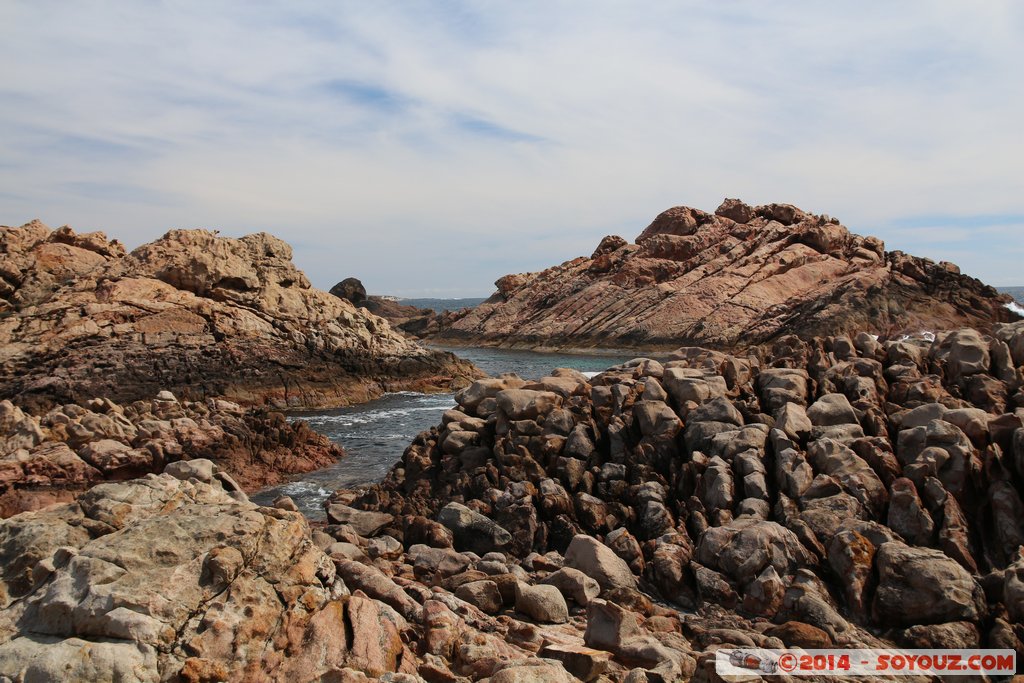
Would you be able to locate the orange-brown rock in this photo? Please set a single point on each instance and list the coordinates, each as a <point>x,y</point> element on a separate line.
<point>56,456</point>
<point>192,312</point>
<point>743,275</point>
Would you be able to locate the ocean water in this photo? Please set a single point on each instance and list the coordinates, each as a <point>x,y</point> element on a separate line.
<point>1016,292</point>
<point>375,434</point>
<point>439,305</point>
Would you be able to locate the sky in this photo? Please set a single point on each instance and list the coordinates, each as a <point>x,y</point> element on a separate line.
<point>430,147</point>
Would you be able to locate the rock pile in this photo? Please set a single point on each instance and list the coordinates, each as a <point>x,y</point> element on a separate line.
<point>814,493</point>
<point>741,276</point>
<point>55,456</point>
<point>192,312</point>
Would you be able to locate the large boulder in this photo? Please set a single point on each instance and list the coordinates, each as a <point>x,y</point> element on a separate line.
<point>365,522</point>
<point>923,586</point>
<point>599,562</point>
<point>472,531</point>
<point>350,289</point>
<point>965,353</point>
<point>541,603</point>
<point>574,584</point>
<point>743,548</point>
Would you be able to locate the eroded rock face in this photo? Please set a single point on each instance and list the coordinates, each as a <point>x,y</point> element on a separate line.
<point>173,577</point>
<point>195,313</point>
<point>743,275</point>
<point>847,490</point>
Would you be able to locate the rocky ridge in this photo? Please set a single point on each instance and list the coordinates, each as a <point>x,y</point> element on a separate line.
<point>741,276</point>
<point>194,313</point>
<point>56,456</point>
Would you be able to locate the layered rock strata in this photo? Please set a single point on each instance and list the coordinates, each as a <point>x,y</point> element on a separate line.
<point>832,492</point>
<point>738,277</point>
<point>192,312</point>
<point>55,456</point>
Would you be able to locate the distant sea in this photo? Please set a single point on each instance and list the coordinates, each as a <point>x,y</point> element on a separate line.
<point>1016,292</point>
<point>439,305</point>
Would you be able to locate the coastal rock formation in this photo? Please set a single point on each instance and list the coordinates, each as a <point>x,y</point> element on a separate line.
<point>743,275</point>
<point>350,289</point>
<point>162,579</point>
<point>418,323</point>
<point>827,493</point>
<point>413,321</point>
<point>55,456</point>
<point>815,493</point>
<point>170,577</point>
<point>195,313</point>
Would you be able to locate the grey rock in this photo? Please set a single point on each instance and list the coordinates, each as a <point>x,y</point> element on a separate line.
<point>599,562</point>
<point>365,522</point>
<point>541,603</point>
<point>472,531</point>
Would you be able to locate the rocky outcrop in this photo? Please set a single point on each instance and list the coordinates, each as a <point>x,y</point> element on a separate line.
<point>741,276</point>
<point>351,289</point>
<point>170,577</point>
<point>551,530</point>
<point>55,456</point>
<point>413,321</point>
<point>828,492</point>
<point>162,579</point>
<point>195,313</point>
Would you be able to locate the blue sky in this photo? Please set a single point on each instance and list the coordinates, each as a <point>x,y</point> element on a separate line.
<point>429,148</point>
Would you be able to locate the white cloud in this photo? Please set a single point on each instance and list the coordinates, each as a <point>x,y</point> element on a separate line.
<point>436,147</point>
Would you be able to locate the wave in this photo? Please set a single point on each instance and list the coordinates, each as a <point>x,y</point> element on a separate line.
<point>923,334</point>
<point>1016,308</point>
<point>371,416</point>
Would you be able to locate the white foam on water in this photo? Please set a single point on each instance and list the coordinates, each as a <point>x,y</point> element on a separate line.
<point>372,416</point>
<point>590,375</point>
<point>304,488</point>
<point>1016,308</point>
<point>923,334</point>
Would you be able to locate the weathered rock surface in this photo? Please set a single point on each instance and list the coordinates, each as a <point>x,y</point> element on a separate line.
<point>580,509</point>
<point>167,578</point>
<point>743,275</point>
<point>54,456</point>
<point>172,578</point>
<point>837,491</point>
<point>192,312</point>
